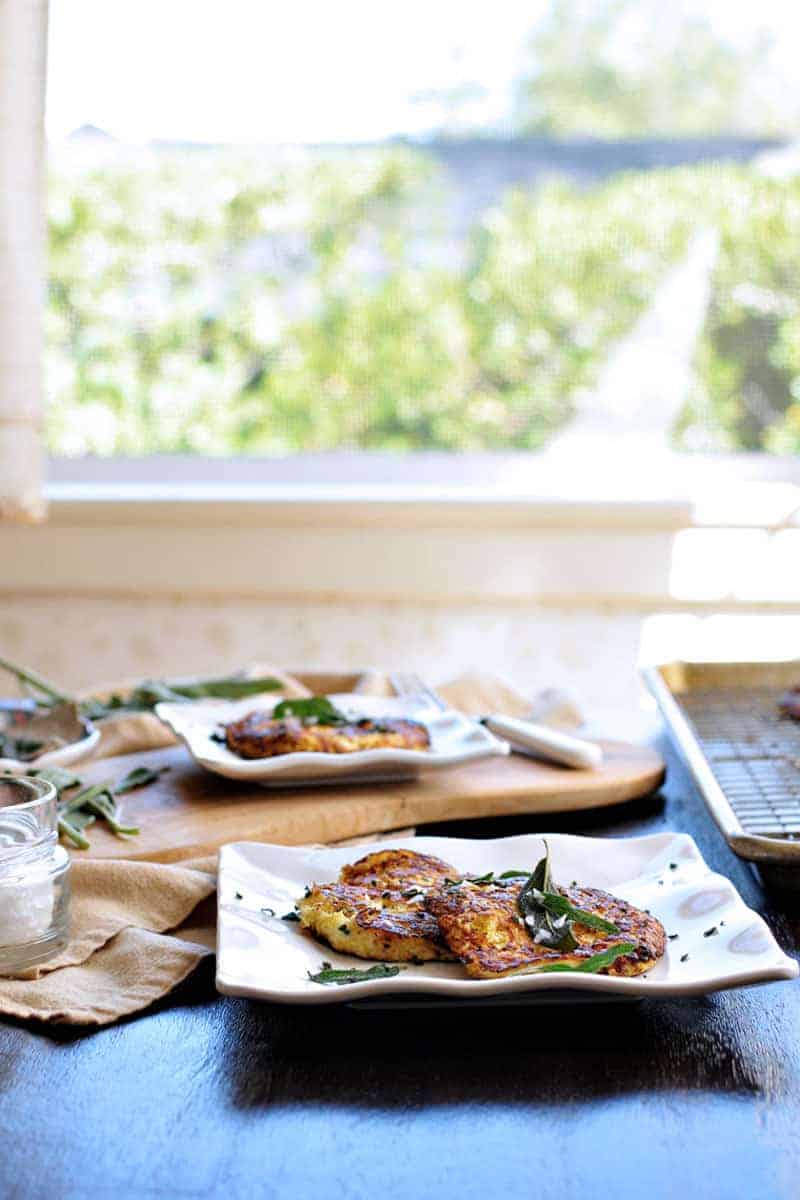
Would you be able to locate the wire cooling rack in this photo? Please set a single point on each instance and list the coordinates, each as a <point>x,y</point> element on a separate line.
<point>753,751</point>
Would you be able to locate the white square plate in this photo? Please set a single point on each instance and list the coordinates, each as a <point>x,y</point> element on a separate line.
<point>269,959</point>
<point>454,739</point>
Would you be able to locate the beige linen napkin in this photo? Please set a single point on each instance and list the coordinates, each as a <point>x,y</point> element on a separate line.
<point>139,928</point>
<point>120,958</point>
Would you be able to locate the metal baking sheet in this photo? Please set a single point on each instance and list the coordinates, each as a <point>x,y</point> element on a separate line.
<point>743,752</point>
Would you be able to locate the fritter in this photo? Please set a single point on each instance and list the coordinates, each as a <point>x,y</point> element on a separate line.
<point>401,869</point>
<point>376,910</point>
<point>482,926</point>
<point>369,923</point>
<point>259,735</point>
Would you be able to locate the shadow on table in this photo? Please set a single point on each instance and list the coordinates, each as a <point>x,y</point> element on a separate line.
<point>536,1055</point>
<point>615,820</point>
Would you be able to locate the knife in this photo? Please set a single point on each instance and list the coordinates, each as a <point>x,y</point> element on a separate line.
<point>540,741</point>
<point>526,737</point>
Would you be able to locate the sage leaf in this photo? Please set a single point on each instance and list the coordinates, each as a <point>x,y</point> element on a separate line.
<point>555,903</point>
<point>137,778</point>
<point>61,779</point>
<point>151,692</point>
<point>312,710</point>
<point>230,687</point>
<point>590,966</point>
<point>329,974</point>
<point>51,693</point>
<point>73,833</point>
<point>555,933</point>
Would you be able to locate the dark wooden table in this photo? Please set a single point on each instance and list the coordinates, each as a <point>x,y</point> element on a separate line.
<point>207,1096</point>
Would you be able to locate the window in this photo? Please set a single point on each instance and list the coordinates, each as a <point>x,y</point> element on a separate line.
<point>313,228</point>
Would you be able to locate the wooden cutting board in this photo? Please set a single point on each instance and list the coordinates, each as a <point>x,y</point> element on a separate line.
<point>189,812</point>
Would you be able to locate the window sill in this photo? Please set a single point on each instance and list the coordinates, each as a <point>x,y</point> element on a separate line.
<point>327,505</point>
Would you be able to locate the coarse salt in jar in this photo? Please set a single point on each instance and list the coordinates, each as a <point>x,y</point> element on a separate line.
<point>34,875</point>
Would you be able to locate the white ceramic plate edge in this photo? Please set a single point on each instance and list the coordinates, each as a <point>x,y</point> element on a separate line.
<point>64,756</point>
<point>777,965</point>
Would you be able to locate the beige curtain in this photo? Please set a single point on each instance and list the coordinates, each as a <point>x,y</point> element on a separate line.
<point>23,38</point>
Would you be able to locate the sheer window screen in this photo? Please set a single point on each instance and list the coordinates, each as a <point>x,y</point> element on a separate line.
<point>502,272</point>
<point>23,26</point>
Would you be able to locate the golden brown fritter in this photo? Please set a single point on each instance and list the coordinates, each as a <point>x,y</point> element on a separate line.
<point>401,869</point>
<point>376,910</point>
<point>482,926</point>
<point>372,924</point>
<point>259,735</point>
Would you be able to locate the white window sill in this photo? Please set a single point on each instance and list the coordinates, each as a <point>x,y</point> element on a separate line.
<point>483,529</point>
<point>611,484</point>
<point>364,505</point>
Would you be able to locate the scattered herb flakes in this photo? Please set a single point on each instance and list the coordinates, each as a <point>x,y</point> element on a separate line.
<point>673,866</point>
<point>482,879</point>
<point>330,974</point>
<point>411,893</point>
<point>238,896</point>
<point>712,932</point>
<point>684,958</point>
<point>722,922</point>
<point>598,962</point>
<point>268,912</point>
<point>513,874</point>
<point>673,937</point>
<point>291,916</point>
<point>345,930</point>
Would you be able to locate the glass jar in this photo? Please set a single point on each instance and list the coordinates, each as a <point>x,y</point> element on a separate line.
<point>34,875</point>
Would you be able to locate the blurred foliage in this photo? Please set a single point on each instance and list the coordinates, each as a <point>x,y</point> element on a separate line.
<point>209,303</point>
<point>747,385</point>
<point>635,68</point>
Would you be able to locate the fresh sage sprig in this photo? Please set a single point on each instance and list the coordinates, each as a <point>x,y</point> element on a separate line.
<point>51,694</point>
<point>590,966</point>
<point>146,695</point>
<point>329,974</point>
<point>553,931</point>
<point>76,812</point>
<point>151,692</point>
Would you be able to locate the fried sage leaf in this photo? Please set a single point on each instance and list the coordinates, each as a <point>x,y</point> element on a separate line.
<point>553,931</point>
<point>590,966</point>
<point>312,710</point>
<point>560,906</point>
<point>329,974</point>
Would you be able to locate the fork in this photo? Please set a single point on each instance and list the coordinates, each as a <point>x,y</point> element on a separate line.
<point>526,737</point>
